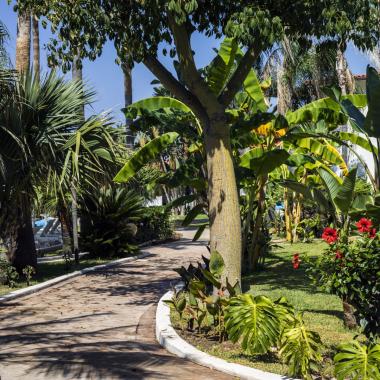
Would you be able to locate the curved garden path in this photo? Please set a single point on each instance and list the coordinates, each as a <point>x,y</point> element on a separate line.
<point>99,325</point>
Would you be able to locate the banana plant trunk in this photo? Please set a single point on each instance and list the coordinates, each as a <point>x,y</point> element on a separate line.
<point>22,249</point>
<point>224,211</point>
<point>255,244</point>
<point>297,210</point>
<point>288,217</point>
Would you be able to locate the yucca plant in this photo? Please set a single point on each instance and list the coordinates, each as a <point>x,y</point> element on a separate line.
<point>357,361</point>
<point>300,348</point>
<point>254,322</point>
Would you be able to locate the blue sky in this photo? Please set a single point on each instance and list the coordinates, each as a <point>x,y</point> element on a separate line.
<point>105,76</point>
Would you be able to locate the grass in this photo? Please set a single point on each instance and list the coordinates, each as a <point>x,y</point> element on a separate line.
<point>47,271</point>
<point>322,312</point>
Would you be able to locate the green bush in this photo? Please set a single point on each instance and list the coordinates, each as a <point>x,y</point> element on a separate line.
<point>113,213</point>
<point>8,274</point>
<point>350,270</point>
<point>154,225</point>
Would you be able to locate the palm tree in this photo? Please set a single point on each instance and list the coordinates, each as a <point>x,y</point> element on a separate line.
<point>35,122</point>
<point>23,42</point>
<point>36,46</point>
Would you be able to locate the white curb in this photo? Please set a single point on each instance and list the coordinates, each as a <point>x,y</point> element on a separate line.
<point>170,340</point>
<point>43,285</point>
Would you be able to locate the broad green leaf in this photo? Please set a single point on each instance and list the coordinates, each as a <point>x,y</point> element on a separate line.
<point>192,214</point>
<point>323,109</point>
<point>358,140</point>
<point>216,264</point>
<point>221,66</point>
<point>357,361</point>
<point>156,103</point>
<point>262,162</point>
<point>143,156</point>
<point>346,192</point>
<point>200,230</point>
<point>182,200</point>
<point>372,123</point>
<point>330,182</point>
<point>253,89</point>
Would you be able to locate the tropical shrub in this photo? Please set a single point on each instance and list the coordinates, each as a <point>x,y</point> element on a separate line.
<point>256,322</point>
<point>28,272</point>
<point>8,273</point>
<point>155,224</point>
<point>113,213</point>
<point>357,361</point>
<point>350,268</point>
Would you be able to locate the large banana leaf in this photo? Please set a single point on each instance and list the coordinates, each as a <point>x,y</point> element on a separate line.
<point>324,150</point>
<point>372,122</point>
<point>156,103</point>
<point>147,153</point>
<point>262,162</point>
<point>358,140</point>
<point>323,109</point>
<point>253,88</point>
<point>341,194</point>
<point>221,66</point>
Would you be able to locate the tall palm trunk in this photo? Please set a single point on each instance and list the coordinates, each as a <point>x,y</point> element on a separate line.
<point>23,42</point>
<point>36,46</point>
<point>22,250</point>
<point>78,76</point>
<point>127,72</point>
<point>346,86</point>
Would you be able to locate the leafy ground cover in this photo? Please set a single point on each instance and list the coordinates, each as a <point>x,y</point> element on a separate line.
<point>322,312</point>
<point>47,271</point>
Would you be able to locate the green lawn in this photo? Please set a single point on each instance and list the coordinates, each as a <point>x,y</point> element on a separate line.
<point>47,271</point>
<point>322,312</point>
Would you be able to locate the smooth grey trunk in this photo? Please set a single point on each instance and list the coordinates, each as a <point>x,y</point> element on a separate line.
<point>23,42</point>
<point>36,46</point>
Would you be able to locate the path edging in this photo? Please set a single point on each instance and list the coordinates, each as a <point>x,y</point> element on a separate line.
<point>172,342</point>
<point>43,285</point>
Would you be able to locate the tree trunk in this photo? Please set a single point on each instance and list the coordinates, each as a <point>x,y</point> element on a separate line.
<point>224,211</point>
<point>128,98</point>
<point>78,76</point>
<point>297,207</point>
<point>254,253</point>
<point>22,250</point>
<point>23,42</point>
<point>341,70</point>
<point>288,217</point>
<point>36,47</point>
<point>349,315</point>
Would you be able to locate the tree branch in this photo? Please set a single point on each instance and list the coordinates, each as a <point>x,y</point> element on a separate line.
<point>237,79</point>
<point>189,72</point>
<point>174,86</point>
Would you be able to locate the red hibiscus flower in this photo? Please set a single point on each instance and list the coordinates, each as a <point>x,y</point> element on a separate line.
<point>338,255</point>
<point>364,225</point>
<point>296,261</point>
<point>372,233</point>
<point>330,235</point>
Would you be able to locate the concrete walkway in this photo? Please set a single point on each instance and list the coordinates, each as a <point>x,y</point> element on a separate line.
<point>98,326</point>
